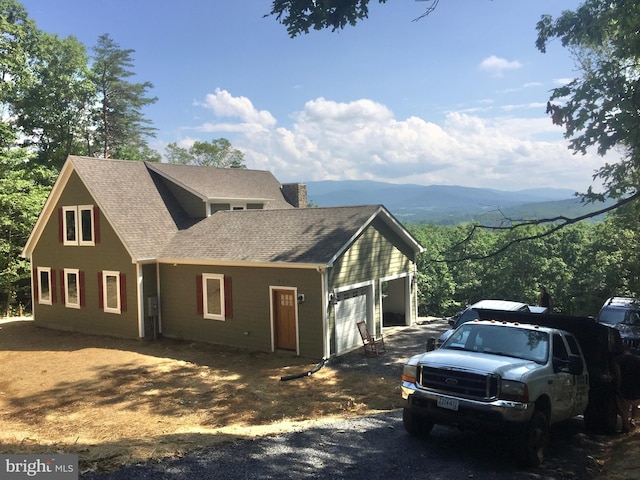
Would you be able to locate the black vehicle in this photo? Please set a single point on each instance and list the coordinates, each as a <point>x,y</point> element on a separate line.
<point>623,314</point>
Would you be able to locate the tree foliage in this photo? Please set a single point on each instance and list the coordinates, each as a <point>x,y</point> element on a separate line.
<point>601,108</point>
<point>119,120</point>
<point>581,265</point>
<point>55,102</point>
<point>18,41</point>
<point>24,186</point>
<point>300,16</point>
<point>52,110</point>
<point>217,153</point>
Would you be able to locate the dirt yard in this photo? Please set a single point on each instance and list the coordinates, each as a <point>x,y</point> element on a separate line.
<point>116,401</point>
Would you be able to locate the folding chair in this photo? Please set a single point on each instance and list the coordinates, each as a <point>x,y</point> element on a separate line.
<point>372,346</point>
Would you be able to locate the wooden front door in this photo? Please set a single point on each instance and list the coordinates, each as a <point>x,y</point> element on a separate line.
<point>284,315</point>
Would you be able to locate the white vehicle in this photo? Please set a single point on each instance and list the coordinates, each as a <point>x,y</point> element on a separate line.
<point>514,376</point>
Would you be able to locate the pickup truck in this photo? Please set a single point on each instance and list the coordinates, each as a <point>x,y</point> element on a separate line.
<point>518,373</point>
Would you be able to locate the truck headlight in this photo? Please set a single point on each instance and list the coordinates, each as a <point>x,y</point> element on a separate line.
<point>409,373</point>
<point>514,391</point>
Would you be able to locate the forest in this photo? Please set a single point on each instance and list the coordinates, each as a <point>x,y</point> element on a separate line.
<point>59,97</point>
<point>581,265</point>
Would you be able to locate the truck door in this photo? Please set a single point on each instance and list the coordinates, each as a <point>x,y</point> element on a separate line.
<point>581,381</point>
<point>562,386</point>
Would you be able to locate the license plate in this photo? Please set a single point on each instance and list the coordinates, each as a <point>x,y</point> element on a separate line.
<point>448,403</point>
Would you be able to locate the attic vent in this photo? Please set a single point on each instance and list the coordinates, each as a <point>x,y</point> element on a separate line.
<point>295,194</point>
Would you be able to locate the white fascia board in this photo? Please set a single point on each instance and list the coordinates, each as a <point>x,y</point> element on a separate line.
<point>181,261</point>
<point>48,209</point>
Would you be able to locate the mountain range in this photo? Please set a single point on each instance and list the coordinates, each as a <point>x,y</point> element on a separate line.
<point>449,204</point>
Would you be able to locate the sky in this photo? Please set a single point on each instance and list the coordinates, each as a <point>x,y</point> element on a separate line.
<point>456,98</point>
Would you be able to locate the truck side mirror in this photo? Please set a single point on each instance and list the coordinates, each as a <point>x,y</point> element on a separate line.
<point>431,344</point>
<point>573,365</point>
<point>576,366</point>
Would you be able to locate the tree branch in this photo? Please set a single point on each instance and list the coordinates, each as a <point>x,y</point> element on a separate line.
<point>564,222</point>
<point>430,8</point>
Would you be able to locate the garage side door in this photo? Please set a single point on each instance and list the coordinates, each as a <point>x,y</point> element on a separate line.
<point>350,309</point>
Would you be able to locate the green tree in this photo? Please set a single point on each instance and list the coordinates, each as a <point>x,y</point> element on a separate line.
<point>18,39</point>
<point>217,153</point>
<point>24,186</point>
<point>436,286</point>
<point>121,125</point>
<point>299,16</point>
<point>601,108</point>
<point>52,111</point>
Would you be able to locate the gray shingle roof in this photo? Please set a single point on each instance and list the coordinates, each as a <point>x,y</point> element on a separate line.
<point>135,204</point>
<point>226,183</point>
<point>153,225</point>
<point>306,235</point>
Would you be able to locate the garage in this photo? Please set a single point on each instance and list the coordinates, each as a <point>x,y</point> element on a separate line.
<point>352,306</point>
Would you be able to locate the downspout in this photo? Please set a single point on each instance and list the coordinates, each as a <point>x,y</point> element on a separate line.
<point>139,294</point>
<point>159,295</point>
<point>326,334</point>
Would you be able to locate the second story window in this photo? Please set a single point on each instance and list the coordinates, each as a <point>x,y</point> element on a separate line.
<point>78,225</point>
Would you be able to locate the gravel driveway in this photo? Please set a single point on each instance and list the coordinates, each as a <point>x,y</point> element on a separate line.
<point>400,342</point>
<point>376,446</point>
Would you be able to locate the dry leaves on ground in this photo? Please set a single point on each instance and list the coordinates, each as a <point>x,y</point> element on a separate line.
<point>117,401</point>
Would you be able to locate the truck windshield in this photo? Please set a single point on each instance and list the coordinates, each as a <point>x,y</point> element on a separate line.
<point>506,341</point>
<point>612,316</point>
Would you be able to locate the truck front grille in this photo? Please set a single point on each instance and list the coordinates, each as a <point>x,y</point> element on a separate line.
<point>461,383</point>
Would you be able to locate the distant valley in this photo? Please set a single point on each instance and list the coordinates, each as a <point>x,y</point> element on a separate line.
<point>449,205</point>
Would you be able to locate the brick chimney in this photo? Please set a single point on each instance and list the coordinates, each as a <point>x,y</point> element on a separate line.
<point>295,194</point>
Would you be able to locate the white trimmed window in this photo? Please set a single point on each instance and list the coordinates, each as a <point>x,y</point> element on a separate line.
<point>72,288</point>
<point>111,292</point>
<point>44,285</point>
<point>78,225</point>
<point>213,296</point>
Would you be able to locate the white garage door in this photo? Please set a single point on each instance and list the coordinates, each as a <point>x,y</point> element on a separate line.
<point>350,309</point>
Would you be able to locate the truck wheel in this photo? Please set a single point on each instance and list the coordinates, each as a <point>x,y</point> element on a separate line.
<point>534,441</point>
<point>414,423</point>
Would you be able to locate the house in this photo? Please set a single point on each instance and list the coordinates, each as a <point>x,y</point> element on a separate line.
<point>227,256</point>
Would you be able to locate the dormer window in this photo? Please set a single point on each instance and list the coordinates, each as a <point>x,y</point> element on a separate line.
<point>234,206</point>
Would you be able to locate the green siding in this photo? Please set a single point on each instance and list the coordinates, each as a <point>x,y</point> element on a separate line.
<point>149,289</point>
<point>109,254</point>
<point>251,323</point>
<point>374,255</point>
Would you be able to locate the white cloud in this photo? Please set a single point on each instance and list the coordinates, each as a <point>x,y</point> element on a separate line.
<point>563,81</point>
<point>224,104</point>
<point>536,105</point>
<point>497,66</point>
<point>362,139</point>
